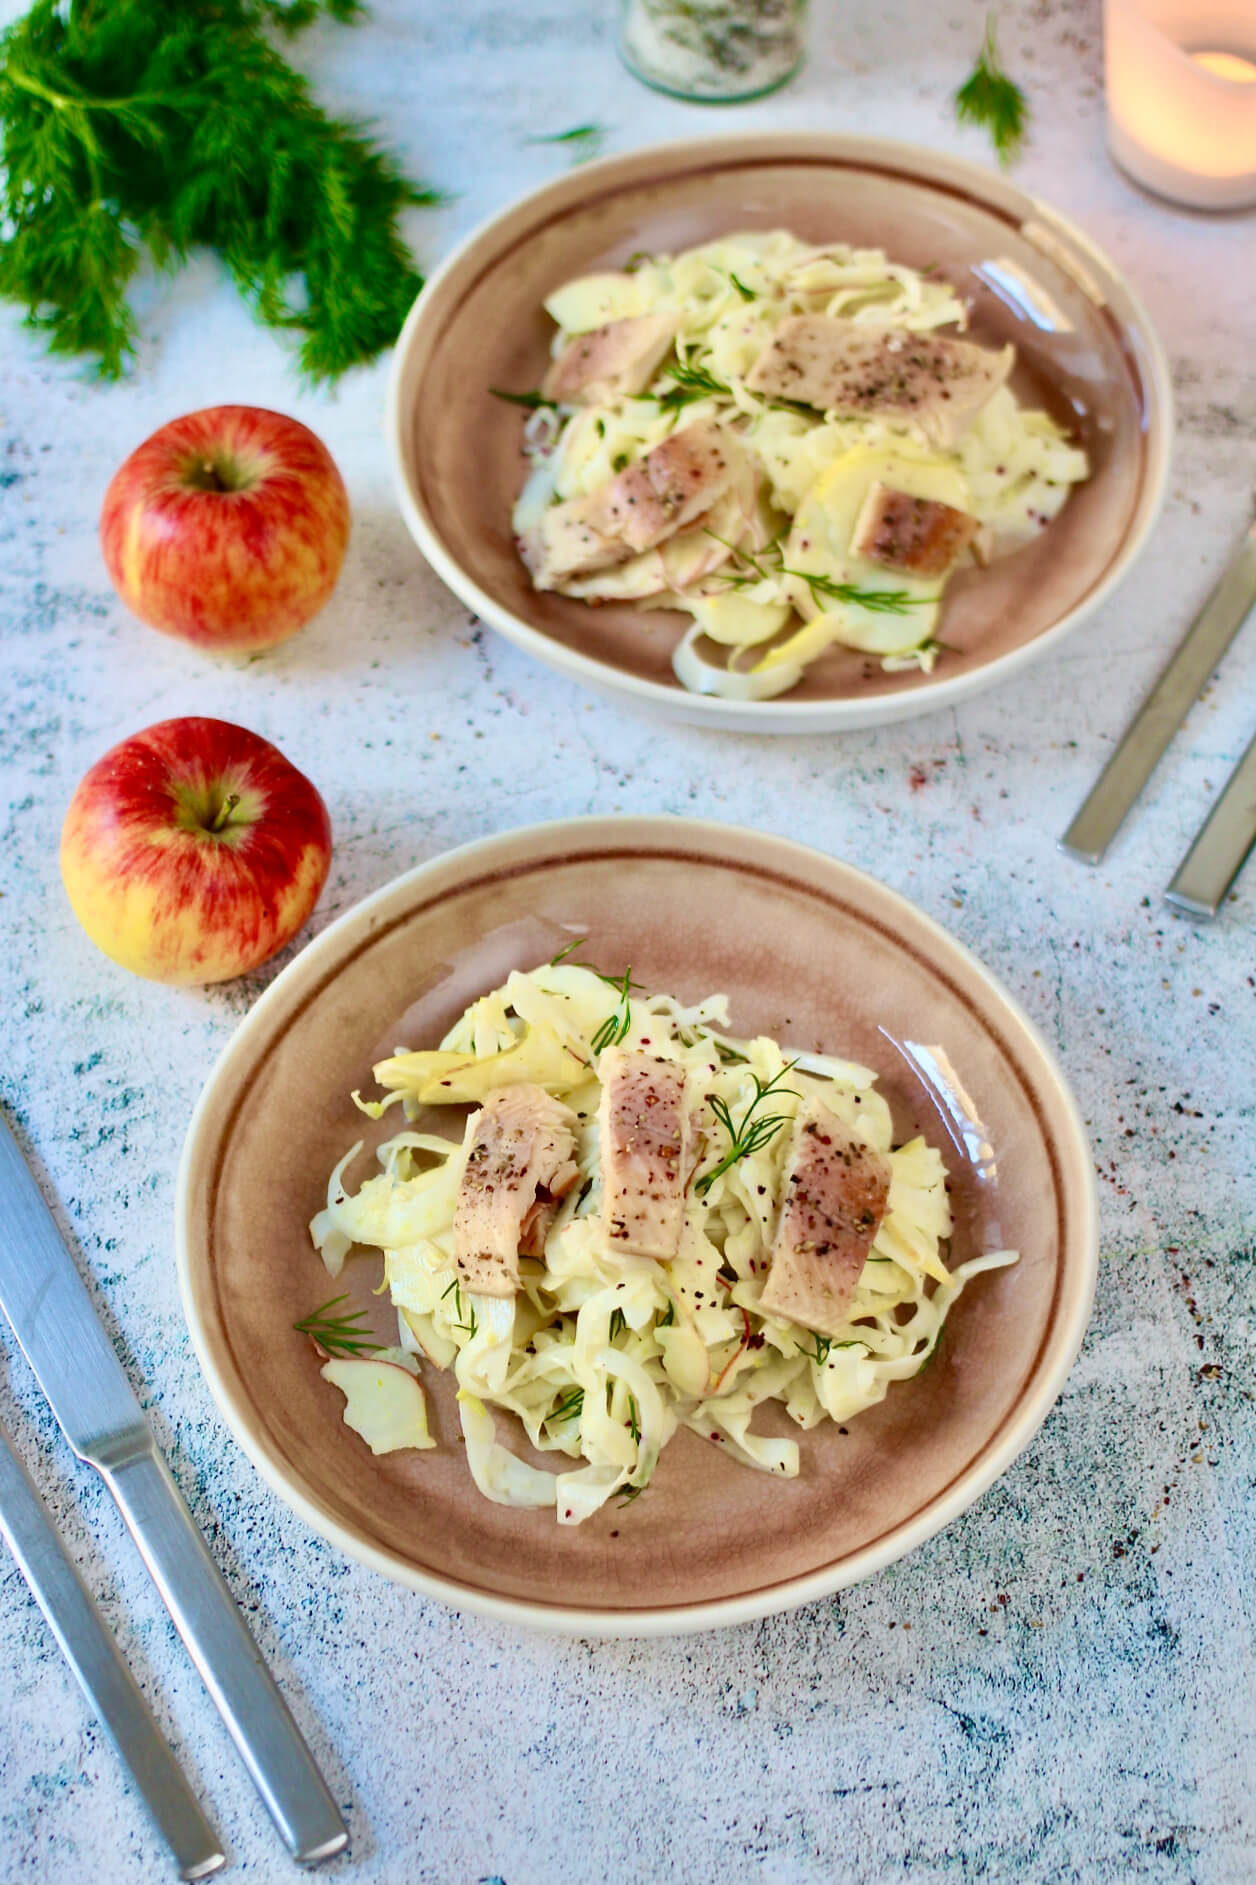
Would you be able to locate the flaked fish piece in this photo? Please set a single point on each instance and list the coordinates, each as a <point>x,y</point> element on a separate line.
<point>668,488</point>
<point>835,1195</point>
<point>619,358</point>
<point>693,554</point>
<point>563,545</point>
<point>919,535</point>
<point>642,1121</point>
<point>519,1165</point>
<point>673,486</point>
<point>937,383</point>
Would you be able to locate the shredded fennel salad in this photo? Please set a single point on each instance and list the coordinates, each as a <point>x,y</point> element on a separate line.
<point>769,575</point>
<point>602,1356</point>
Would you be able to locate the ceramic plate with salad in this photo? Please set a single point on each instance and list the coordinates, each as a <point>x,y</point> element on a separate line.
<point>785,433</point>
<point>705,1267</point>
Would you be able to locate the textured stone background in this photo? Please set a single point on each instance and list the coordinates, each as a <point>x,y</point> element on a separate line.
<point>1059,1688</point>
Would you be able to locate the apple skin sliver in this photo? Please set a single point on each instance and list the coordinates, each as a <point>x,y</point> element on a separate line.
<point>384,1403</point>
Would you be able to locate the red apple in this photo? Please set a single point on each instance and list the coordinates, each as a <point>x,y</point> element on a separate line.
<point>226,528</point>
<point>193,851</point>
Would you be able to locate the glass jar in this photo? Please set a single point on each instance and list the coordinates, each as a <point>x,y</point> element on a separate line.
<point>712,51</point>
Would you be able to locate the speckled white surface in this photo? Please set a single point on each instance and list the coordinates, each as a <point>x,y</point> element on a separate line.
<point>1059,1688</point>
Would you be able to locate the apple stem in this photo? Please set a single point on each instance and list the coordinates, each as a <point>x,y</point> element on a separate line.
<point>222,474</point>
<point>225,810</point>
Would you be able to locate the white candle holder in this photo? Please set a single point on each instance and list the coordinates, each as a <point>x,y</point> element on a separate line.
<point>1181,82</point>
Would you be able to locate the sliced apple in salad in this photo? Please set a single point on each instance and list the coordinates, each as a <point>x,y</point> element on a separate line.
<point>864,564</point>
<point>825,567</point>
<point>384,1403</point>
<point>738,621</point>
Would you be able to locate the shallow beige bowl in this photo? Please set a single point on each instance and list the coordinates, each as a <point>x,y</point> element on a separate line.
<point>808,950</point>
<point>1085,347</point>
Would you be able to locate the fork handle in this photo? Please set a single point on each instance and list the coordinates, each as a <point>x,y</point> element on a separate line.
<point>97,1661</point>
<point>205,1614</point>
<point>1221,846</point>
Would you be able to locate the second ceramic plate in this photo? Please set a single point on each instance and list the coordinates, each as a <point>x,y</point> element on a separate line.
<point>807,950</point>
<point>1085,350</point>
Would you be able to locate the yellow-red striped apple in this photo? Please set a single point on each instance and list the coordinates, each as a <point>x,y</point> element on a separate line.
<point>226,528</point>
<point>193,851</point>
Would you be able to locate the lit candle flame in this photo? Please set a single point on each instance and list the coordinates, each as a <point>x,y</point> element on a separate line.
<point>1227,65</point>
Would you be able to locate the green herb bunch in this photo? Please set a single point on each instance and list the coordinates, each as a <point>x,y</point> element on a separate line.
<point>169,125</point>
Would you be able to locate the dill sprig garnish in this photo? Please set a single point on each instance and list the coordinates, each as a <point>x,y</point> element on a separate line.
<point>751,568</point>
<point>583,141</point>
<point>570,950</point>
<point>749,1133</point>
<point>141,127</point>
<point>469,1324</point>
<point>531,400</point>
<point>876,601</point>
<point>689,383</point>
<point>568,1405</point>
<point>343,1334</point>
<point>992,100</point>
<point>616,1025</point>
<point>824,1345</point>
<point>617,1325</point>
<point>568,955</point>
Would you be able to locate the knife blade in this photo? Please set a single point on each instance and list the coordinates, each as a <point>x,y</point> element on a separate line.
<point>1165,708</point>
<point>97,1661</point>
<point>46,1300</point>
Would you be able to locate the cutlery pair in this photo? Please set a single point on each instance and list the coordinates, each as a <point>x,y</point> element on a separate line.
<point>47,1303</point>
<point>1222,844</point>
<point>104,1677</point>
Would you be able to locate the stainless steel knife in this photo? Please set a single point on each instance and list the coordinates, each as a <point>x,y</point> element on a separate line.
<point>97,1661</point>
<point>1165,708</point>
<point>47,1302</point>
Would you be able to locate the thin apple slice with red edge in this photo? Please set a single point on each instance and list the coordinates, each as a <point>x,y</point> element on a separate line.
<point>384,1403</point>
<point>227,528</point>
<point>194,850</point>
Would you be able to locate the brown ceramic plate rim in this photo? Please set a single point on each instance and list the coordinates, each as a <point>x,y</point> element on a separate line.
<point>1058,235</point>
<point>315,969</point>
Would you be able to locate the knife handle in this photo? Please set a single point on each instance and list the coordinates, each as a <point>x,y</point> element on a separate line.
<point>106,1681</point>
<point>240,1685</point>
